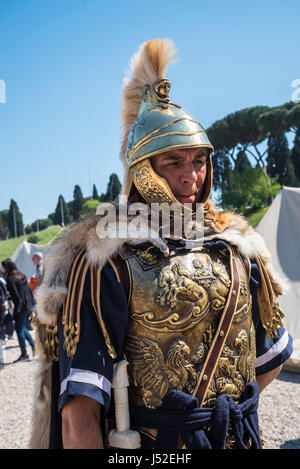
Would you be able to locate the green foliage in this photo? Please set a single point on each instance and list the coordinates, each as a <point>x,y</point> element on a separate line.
<point>15,220</point>
<point>240,127</point>
<point>95,193</point>
<point>295,155</point>
<point>8,247</point>
<point>4,218</point>
<point>61,215</point>
<point>28,229</point>
<point>2,228</point>
<point>249,190</point>
<point>236,138</point>
<point>77,202</point>
<point>88,206</point>
<point>48,234</point>
<point>40,224</point>
<point>113,189</point>
<point>222,169</point>
<point>279,162</point>
<point>255,217</point>
<point>33,238</point>
<point>241,187</point>
<point>242,163</point>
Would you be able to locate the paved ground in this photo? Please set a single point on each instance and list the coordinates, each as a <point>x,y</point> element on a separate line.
<point>279,409</point>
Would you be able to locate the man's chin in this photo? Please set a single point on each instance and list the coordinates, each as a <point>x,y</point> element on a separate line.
<point>186,200</point>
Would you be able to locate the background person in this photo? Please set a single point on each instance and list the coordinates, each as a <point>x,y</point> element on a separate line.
<point>36,279</point>
<point>23,301</point>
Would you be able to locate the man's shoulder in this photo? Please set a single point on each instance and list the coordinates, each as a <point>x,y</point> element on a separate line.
<point>78,247</point>
<point>233,227</point>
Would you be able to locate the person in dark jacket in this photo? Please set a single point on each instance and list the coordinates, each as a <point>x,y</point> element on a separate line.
<point>23,300</point>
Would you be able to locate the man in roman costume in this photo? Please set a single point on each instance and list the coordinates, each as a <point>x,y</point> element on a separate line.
<point>196,318</point>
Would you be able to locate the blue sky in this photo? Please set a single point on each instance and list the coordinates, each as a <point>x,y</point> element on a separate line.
<point>63,63</point>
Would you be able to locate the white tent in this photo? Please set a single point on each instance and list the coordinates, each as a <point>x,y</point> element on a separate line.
<point>22,257</point>
<point>280,227</point>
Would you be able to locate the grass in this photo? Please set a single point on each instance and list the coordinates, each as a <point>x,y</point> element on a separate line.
<point>44,236</point>
<point>255,217</point>
<point>8,247</point>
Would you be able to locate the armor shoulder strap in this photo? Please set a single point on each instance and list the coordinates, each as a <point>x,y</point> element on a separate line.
<point>71,312</point>
<point>120,268</point>
<point>95,296</point>
<point>75,281</point>
<point>270,314</point>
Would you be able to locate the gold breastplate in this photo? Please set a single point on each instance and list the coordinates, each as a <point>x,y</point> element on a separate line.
<point>175,305</point>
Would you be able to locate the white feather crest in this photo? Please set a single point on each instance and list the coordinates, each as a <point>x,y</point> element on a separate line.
<point>147,65</point>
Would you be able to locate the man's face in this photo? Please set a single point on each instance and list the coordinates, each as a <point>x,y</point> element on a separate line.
<point>35,260</point>
<point>184,170</point>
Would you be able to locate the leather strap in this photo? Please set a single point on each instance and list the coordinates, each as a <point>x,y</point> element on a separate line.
<point>218,343</point>
<point>122,270</point>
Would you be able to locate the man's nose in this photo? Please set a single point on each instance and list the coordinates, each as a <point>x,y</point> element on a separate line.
<point>189,174</point>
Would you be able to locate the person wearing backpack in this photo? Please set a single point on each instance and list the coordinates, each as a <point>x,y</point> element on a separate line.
<point>3,308</point>
<point>3,299</point>
<point>23,301</point>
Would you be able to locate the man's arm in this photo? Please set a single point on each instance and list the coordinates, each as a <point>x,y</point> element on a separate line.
<point>81,424</point>
<point>264,380</point>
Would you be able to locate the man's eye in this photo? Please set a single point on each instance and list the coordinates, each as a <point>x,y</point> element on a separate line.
<point>202,162</point>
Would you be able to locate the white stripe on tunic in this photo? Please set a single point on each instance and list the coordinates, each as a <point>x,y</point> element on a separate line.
<point>88,377</point>
<point>275,350</point>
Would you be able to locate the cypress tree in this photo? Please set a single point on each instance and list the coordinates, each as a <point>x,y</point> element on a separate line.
<point>296,155</point>
<point>242,163</point>
<point>113,188</point>
<point>77,202</point>
<point>279,162</point>
<point>2,231</point>
<point>61,215</point>
<point>5,229</point>
<point>95,193</point>
<point>15,220</point>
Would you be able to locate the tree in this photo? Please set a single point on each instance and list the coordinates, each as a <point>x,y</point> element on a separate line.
<point>4,224</point>
<point>240,131</point>
<point>241,163</point>
<point>249,191</point>
<point>113,189</point>
<point>295,155</point>
<point>41,224</point>
<point>28,229</point>
<point>15,220</point>
<point>2,229</point>
<point>279,162</point>
<point>77,202</point>
<point>237,140</point>
<point>222,169</point>
<point>95,195</point>
<point>88,206</point>
<point>61,215</point>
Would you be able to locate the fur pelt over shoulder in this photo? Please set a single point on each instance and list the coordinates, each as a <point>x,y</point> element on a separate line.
<point>227,226</point>
<point>50,295</point>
